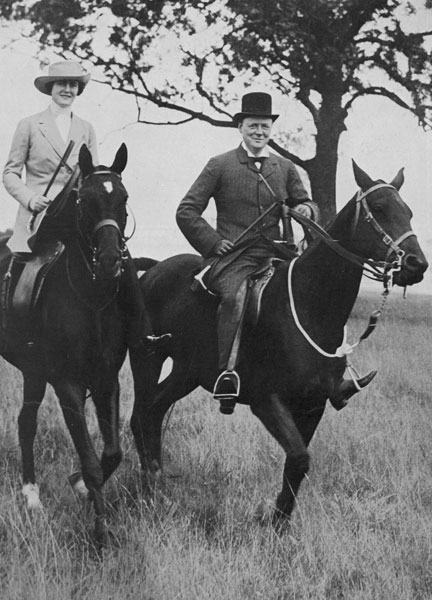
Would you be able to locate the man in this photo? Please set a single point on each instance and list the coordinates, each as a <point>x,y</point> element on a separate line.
<point>244,183</point>
<point>38,146</point>
<point>241,196</point>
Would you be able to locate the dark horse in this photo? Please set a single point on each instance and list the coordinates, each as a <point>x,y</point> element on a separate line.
<point>79,339</point>
<point>285,377</point>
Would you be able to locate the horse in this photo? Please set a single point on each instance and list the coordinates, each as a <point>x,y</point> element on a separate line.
<point>79,342</point>
<point>289,361</point>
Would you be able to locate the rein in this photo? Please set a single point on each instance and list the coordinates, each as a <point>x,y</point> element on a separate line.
<point>377,270</point>
<point>374,267</point>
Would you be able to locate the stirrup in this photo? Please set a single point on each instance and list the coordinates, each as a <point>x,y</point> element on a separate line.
<point>227,390</point>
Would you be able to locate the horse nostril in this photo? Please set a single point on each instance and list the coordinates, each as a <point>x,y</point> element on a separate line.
<point>414,262</point>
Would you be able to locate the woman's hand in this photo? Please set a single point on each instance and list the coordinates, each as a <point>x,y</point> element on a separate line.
<point>38,203</point>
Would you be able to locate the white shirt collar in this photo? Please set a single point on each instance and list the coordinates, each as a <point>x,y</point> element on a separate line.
<point>265,153</point>
<point>60,111</point>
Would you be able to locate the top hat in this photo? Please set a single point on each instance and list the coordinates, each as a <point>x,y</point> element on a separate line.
<point>255,104</point>
<point>67,70</point>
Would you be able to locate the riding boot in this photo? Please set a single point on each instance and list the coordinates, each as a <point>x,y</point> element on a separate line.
<point>138,326</point>
<point>230,325</point>
<point>349,387</point>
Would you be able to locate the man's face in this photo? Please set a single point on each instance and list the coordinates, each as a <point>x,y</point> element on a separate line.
<point>256,132</point>
<point>64,93</point>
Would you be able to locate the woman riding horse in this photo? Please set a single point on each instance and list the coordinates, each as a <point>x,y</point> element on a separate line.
<point>38,146</point>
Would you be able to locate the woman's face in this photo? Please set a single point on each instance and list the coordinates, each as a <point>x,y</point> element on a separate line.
<point>64,93</point>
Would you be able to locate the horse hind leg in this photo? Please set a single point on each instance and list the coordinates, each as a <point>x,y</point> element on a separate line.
<point>34,391</point>
<point>150,406</point>
<point>278,420</point>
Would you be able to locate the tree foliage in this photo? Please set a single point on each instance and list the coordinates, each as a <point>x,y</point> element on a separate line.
<point>197,56</point>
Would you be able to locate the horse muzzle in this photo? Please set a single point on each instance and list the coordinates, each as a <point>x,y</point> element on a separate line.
<point>412,269</point>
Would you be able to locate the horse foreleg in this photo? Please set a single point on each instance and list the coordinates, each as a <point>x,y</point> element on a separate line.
<point>107,399</point>
<point>71,395</point>
<point>34,390</point>
<point>279,421</point>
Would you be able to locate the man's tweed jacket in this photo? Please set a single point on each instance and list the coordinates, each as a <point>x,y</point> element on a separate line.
<point>232,180</point>
<point>38,147</point>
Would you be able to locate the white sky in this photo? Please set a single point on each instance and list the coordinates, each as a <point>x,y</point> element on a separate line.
<point>164,161</point>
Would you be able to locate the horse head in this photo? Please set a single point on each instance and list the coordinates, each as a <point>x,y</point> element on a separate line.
<point>102,212</point>
<point>376,225</point>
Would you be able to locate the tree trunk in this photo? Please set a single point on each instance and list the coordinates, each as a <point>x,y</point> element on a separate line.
<point>322,168</point>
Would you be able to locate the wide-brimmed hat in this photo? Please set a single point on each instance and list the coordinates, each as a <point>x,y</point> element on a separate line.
<point>62,71</point>
<point>255,104</point>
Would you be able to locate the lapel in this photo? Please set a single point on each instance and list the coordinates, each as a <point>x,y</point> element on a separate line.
<point>49,130</point>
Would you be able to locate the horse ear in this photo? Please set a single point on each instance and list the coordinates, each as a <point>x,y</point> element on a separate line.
<point>398,180</point>
<point>362,178</point>
<point>120,159</point>
<point>85,160</point>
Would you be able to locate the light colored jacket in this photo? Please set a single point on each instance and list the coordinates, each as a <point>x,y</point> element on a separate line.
<point>37,147</point>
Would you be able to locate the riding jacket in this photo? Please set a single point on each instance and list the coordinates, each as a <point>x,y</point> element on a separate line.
<point>37,147</point>
<point>233,180</point>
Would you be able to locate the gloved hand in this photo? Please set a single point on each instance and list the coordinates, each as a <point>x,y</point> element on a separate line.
<point>38,203</point>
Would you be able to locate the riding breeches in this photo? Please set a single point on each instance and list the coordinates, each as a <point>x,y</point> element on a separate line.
<point>225,279</point>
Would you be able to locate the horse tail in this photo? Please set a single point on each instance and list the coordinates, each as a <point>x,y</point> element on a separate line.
<point>144,264</point>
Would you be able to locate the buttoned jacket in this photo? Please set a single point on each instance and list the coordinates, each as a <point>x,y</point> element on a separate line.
<point>37,148</point>
<point>240,195</point>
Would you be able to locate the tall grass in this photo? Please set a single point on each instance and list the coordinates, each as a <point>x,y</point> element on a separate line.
<point>362,528</point>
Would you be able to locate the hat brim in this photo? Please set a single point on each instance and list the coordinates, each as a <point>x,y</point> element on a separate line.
<point>243,115</point>
<point>42,83</point>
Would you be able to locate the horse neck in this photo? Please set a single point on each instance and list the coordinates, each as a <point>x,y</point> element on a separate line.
<point>80,277</point>
<point>325,286</point>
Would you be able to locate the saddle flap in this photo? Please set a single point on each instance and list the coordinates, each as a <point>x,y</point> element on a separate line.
<point>30,283</point>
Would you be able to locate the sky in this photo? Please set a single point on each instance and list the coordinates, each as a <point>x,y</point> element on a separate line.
<point>165,160</point>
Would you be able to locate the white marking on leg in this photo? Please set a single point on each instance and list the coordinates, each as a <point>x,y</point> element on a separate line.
<point>80,488</point>
<point>31,494</point>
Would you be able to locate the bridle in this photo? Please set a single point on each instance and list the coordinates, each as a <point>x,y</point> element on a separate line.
<point>377,270</point>
<point>89,238</point>
<point>392,245</point>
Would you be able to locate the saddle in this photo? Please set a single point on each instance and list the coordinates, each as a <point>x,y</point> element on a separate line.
<point>23,283</point>
<point>254,288</point>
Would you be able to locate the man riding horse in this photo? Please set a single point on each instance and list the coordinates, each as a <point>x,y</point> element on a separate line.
<point>244,182</point>
<point>39,146</point>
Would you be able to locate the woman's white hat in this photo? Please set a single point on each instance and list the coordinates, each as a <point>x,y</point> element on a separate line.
<point>62,71</point>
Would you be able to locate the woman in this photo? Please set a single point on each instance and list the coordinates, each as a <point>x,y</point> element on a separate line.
<point>38,146</point>
<point>39,143</point>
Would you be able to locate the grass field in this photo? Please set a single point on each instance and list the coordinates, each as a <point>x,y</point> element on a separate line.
<point>362,528</point>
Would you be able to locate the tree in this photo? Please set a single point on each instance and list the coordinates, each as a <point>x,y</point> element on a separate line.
<point>190,55</point>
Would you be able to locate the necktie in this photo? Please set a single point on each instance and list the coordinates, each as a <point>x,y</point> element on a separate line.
<point>258,161</point>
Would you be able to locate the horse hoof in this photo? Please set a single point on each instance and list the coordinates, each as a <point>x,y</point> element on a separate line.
<point>77,484</point>
<point>31,494</point>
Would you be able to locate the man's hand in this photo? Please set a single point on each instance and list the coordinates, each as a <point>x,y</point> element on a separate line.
<point>223,247</point>
<point>304,209</point>
<point>38,203</point>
